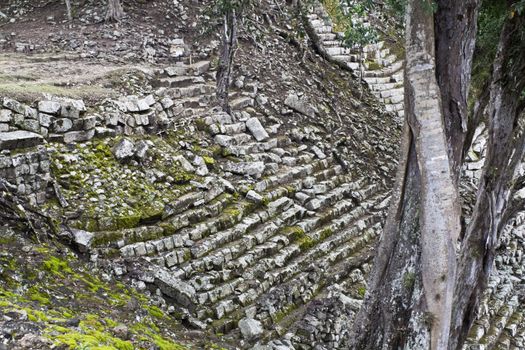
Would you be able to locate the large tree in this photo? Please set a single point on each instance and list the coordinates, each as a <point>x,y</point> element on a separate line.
<point>422,294</point>
<point>114,12</point>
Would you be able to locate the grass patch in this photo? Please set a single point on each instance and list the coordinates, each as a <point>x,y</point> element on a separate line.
<point>27,92</point>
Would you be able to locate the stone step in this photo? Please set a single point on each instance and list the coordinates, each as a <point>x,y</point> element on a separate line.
<point>332,43</point>
<point>241,103</point>
<point>197,68</point>
<point>222,218</point>
<point>394,99</point>
<point>192,90</point>
<point>242,150</point>
<point>387,71</point>
<point>392,92</point>
<point>150,240</point>
<point>19,139</point>
<point>338,51</point>
<point>339,265</point>
<point>178,81</point>
<point>381,87</point>
<point>260,236</point>
<point>323,29</point>
<point>393,107</point>
<point>498,323</point>
<point>327,36</point>
<point>289,262</point>
<point>377,80</point>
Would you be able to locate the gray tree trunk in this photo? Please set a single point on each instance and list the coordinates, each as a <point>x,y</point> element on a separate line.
<point>68,9</point>
<point>227,54</point>
<point>114,12</point>
<point>505,150</point>
<point>409,301</point>
<point>455,28</point>
<point>402,308</point>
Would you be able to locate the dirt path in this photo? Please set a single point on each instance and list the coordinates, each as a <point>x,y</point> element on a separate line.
<point>27,78</point>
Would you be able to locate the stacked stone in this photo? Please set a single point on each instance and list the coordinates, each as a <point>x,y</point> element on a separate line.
<point>261,257</point>
<point>500,323</point>
<point>60,120</point>
<point>185,90</point>
<point>29,172</point>
<point>382,70</point>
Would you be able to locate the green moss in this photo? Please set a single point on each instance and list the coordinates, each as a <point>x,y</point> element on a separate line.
<point>165,344</point>
<point>208,160</point>
<point>35,294</point>
<point>373,65</point>
<point>131,221</point>
<point>280,315</point>
<point>201,125</point>
<point>187,255</point>
<point>293,232</point>
<point>56,266</point>
<point>409,278</point>
<point>155,311</point>
<point>306,243</point>
<point>361,291</point>
<point>327,232</point>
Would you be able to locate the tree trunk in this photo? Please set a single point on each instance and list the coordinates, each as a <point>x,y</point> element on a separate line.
<point>68,9</point>
<point>409,301</point>
<point>228,48</point>
<point>505,150</point>
<point>115,12</point>
<point>455,28</point>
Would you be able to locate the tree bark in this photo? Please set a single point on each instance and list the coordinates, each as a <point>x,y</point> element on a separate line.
<point>455,33</point>
<point>505,150</point>
<point>68,9</point>
<point>409,301</point>
<point>227,54</point>
<point>115,12</point>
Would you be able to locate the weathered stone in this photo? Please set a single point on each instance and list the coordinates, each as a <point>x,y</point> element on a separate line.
<point>184,163</point>
<point>123,150</point>
<point>317,151</point>
<point>79,136</point>
<point>19,139</point>
<point>182,292</point>
<point>257,130</point>
<point>300,106</point>
<point>5,116</point>
<point>254,196</point>
<point>250,329</point>
<point>141,149</point>
<point>13,105</point>
<point>200,164</point>
<point>45,120</point>
<point>82,239</point>
<point>62,125</point>
<point>49,107</point>
<point>29,125</point>
<point>245,168</point>
<point>223,140</point>
<point>150,100</point>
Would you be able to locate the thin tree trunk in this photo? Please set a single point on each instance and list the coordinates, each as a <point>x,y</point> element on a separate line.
<point>115,12</point>
<point>440,210</point>
<point>409,301</point>
<point>455,28</point>
<point>68,9</point>
<point>227,54</point>
<point>505,150</point>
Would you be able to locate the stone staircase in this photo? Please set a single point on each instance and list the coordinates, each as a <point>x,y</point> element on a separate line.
<point>226,254</point>
<point>382,70</point>
<point>501,320</point>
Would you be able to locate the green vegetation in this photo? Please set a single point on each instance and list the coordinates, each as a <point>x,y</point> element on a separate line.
<point>87,316</point>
